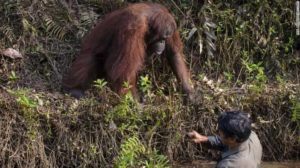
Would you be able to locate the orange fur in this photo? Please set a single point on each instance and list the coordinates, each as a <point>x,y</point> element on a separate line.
<point>116,48</point>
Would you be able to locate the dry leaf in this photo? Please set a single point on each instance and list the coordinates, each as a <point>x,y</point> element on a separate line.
<point>11,53</point>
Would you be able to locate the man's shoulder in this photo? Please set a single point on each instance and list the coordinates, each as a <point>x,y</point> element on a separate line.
<point>253,135</point>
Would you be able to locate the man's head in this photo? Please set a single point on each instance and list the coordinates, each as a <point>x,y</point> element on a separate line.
<point>234,127</point>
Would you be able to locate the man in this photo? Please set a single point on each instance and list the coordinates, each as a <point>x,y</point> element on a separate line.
<point>240,146</point>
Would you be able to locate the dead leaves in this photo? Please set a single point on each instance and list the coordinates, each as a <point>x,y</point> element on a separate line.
<point>11,53</point>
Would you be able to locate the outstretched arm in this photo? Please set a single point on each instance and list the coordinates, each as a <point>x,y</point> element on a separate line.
<point>175,57</point>
<point>214,141</point>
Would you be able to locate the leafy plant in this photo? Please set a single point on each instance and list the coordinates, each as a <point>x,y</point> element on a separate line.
<point>156,160</point>
<point>100,83</point>
<point>126,114</point>
<point>28,106</point>
<point>126,85</point>
<point>255,75</point>
<point>134,154</point>
<point>228,76</point>
<point>13,76</point>
<point>130,151</point>
<point>145,84</point>
<point>23,100</point>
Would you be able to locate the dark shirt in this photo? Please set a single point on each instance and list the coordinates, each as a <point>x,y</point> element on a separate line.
<point>247,155</point>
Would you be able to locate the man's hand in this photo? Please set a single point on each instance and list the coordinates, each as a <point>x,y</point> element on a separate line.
<point>197,138</point>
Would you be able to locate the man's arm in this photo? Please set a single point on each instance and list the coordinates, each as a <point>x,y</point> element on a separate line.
<point>214,141</point>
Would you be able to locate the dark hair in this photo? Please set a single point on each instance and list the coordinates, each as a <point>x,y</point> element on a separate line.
<point>235,124</point>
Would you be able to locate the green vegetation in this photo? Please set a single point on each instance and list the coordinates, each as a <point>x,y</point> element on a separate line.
<point>134,154</point>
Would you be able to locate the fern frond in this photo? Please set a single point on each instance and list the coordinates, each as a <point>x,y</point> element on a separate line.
<point>54,29</point>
